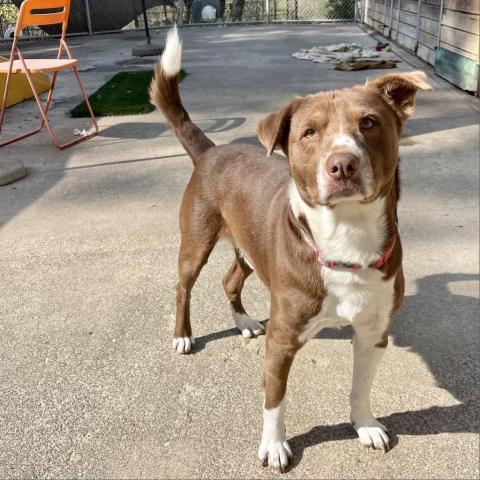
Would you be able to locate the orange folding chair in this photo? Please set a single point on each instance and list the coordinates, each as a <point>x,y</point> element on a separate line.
<point>43,12</point>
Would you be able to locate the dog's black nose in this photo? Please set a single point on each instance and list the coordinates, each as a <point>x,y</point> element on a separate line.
<point>342,165</point>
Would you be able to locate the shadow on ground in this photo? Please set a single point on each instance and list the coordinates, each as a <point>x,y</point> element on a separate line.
<point>425,125</point>
<point>443,329</point>
<point>149,130</point>
<point>37,183</point>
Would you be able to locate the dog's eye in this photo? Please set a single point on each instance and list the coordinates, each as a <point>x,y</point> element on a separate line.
<point>309,133</point>
<point>367,122</point>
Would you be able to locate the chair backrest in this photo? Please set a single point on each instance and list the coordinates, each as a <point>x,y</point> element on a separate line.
<point>43,12</point>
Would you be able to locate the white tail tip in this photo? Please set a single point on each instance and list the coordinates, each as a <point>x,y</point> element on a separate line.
<point>172,55</point>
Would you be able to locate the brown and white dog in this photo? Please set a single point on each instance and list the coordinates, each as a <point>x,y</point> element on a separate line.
<point>319,227</point>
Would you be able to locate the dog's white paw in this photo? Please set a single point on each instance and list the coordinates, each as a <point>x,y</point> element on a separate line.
<point>183,344</point>
<point>274,449</point>
<point>373,435</point>
<point>248,326</point>
<point>276,454</point>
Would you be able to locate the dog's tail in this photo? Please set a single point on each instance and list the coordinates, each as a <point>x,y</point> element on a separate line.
<point>165,96</point>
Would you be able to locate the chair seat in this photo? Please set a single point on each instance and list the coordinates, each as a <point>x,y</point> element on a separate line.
<point>36,65</point>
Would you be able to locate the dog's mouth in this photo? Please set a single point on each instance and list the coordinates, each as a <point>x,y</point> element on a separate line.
<point>343,190</point>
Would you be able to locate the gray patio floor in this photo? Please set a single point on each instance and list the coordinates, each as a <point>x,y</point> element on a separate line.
<point>89,385</point>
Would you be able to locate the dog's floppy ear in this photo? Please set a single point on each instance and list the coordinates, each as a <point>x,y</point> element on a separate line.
<point>399,90</point>
<point>274,129</point>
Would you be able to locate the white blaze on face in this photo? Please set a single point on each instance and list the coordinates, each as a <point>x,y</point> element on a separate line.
<point>345,143</point>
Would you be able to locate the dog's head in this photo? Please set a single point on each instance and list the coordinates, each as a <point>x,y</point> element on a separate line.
<point>343,145</point>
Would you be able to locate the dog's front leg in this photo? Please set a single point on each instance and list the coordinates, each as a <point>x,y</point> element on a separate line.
<point>274,449</point>
<point>368,349</point>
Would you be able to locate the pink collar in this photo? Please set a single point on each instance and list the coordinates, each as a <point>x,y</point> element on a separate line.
<point>378,263</point>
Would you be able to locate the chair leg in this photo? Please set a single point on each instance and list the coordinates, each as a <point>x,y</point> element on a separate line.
<point>44,113</point>
<point>4,99</point>
<point>90,111</point>
<point>50,95</point>
<point>42,121</point>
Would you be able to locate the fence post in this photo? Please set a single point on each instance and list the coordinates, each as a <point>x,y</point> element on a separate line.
<point>390,20</point>
<point>89,20</point>
<point>440,19</point>
<point>181,11</point>
<point>384,17</point>
<point>267,11</point>
<point>398,17</point>
<point>419,14</point>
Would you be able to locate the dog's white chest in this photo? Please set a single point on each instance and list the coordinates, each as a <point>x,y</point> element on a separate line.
<point>353,296</point>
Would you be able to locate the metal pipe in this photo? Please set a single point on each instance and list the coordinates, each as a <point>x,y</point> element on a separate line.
<point>145,21</point>
<point>89,20</point>
<point>181,11</point>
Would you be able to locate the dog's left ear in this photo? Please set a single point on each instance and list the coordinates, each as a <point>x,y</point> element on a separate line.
<point>399,90</point>
<point>273,130</point>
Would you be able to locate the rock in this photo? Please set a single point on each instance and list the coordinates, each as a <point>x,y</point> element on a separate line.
<point>147,50</point>
<point>11,171</point>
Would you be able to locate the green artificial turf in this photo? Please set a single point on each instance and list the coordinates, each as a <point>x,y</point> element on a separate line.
<point>126,93</point>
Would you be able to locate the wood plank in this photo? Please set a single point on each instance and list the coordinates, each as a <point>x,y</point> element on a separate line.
<point>430,11</point>
<point>433,2</point>
<point>379,17</point>
<point>428,40</point>
<point>471,56</point>
<point>467,6</point>
<point>429,26</point>
<point>467,22</point>
<point>409,18</point>
<point>457,69</point>
<point>406,41</point>
<point>408,30</point>
<point>409,6</point>
<point>457,38</point>
<point>426,54</point>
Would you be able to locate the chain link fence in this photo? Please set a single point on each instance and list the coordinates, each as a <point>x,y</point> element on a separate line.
<point>99,16</point>
<point>311,10</point>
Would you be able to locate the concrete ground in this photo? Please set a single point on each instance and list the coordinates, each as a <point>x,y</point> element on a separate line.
<point>89,385</point>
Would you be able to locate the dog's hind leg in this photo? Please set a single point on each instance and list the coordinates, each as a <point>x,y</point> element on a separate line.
<point>233,285</point>
<point>199,229</point>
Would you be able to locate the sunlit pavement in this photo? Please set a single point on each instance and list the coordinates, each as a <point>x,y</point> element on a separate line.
<point>89,385</point>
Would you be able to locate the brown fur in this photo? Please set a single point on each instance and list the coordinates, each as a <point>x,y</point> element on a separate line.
<point>241,192</point>
<point>165,96</point>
